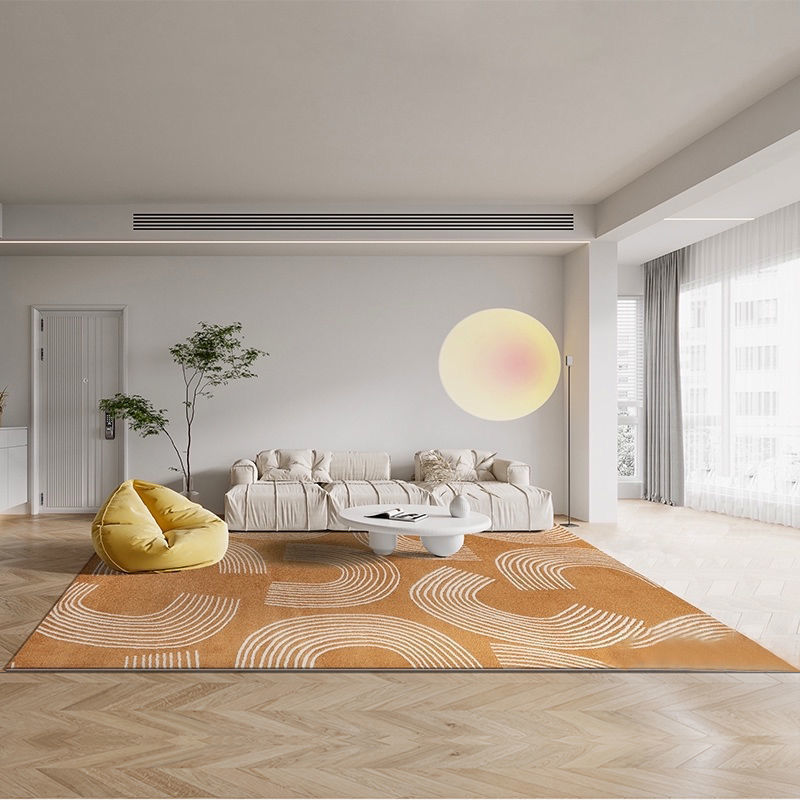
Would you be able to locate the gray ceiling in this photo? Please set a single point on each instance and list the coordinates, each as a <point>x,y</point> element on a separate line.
<point>385,102</point>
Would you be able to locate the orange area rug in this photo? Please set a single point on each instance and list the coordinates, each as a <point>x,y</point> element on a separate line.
<point>302,601</point>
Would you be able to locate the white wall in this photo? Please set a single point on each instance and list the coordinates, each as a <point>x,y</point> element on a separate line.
<point>630,280</point>
<point>576,344</point>
<point>354,343</point>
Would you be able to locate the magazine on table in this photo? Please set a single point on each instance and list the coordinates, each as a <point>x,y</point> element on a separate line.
<point>398,515</point>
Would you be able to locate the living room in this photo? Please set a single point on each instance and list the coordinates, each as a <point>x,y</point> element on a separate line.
<point>274,273</point>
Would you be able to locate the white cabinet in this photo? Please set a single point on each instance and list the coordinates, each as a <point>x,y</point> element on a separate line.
<point>13,470</point>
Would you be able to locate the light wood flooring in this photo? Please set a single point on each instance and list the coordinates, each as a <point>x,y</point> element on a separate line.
<point>745,573</point>
<point>421,735</point>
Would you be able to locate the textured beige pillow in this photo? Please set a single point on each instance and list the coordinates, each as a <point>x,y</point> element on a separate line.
<point>456,465</point>
<point>295,465</point>
<point>435,467</point>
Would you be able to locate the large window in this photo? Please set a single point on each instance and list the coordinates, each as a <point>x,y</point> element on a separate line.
<point>630,388</point>
<point>740,383</point>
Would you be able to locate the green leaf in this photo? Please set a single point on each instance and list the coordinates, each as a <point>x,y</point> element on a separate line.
<point>218,354</point>
<point>140,413</point>
<point>212,356</point>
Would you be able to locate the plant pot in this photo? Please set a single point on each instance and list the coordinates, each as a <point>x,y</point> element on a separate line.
<point>188,491</point>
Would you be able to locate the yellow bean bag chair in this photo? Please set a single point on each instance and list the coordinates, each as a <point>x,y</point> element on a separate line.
<point>144,527</point>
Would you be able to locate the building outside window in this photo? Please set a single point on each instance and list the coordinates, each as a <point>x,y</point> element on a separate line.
<point>630,388</point>
<point>740,410</point>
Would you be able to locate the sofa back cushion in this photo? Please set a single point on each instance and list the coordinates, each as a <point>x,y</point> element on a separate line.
<point>351,465</point>
<point>322,466</point>
<point>294,465</point>
<point>467,465</point>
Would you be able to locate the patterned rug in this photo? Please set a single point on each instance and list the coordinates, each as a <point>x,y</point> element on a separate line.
<point>513,601</point>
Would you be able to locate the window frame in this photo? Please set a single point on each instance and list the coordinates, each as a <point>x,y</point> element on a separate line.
<point>635,421</point>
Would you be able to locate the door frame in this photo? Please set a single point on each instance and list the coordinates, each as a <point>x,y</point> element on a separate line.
<point>33,440</point>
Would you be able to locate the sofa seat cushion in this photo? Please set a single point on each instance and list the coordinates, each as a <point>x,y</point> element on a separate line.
<point>510,507</point>
<point>346,494</point>
<point>295,465</point>
<point>144,527</point>
<point>277,506</point>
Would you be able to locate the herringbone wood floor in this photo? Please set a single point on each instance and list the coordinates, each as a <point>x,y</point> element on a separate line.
<point>381,735</point>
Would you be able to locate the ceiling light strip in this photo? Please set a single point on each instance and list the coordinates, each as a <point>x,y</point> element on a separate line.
<point>387,228</point>
<point>139,215</point>
<point>287,241</point>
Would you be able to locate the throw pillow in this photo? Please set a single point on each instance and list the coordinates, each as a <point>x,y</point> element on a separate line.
<point>466,465</point>
<point>295,465</point>
<point>484,461</point>
<point>436,467</point>
<point>321,466</point>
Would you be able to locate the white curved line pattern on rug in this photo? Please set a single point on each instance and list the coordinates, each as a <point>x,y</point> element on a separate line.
<point>451,596</point>
<point>178,659</point>
<point>242,559</point>
<point>363,578</point>
<point>541,568</point>
<point>103,569</point>
<point>515,656</point>
<point>411,544</point>
<point>557,535</point>
<point>188,619</point>
<point>690,626</point>
<point>298,643</point>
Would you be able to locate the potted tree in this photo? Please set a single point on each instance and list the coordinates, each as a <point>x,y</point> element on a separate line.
<point>213,356</point>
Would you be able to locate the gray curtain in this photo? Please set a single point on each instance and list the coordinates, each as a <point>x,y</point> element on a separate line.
<point>663,421</point>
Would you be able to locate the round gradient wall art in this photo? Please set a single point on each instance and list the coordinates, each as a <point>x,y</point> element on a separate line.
<point>499,364</point>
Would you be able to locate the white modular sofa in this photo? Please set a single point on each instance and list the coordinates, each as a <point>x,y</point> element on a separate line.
<point>302,490</point>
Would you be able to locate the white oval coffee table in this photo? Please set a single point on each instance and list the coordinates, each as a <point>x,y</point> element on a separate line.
<point>440,533</point>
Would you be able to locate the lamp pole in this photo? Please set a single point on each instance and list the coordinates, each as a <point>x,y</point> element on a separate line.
<point>569,523</point>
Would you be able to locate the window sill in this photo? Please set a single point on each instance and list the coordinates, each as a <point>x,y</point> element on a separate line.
<point>629,490</point>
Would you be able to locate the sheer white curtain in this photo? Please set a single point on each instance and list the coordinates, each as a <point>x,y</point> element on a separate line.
<point>740,370</point>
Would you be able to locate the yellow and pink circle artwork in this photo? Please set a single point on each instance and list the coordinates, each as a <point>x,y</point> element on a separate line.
<point>499,364</point>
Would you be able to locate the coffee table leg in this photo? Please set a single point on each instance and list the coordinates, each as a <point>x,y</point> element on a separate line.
<point>443,545</point>
<point>382,544</point>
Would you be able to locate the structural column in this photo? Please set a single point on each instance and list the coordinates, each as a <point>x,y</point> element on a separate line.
<point>590,336</point>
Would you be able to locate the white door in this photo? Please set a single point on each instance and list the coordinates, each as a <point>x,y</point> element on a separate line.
<point>79,360</point>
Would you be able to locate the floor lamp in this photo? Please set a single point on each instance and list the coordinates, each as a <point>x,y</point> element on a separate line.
<point>569,523</point>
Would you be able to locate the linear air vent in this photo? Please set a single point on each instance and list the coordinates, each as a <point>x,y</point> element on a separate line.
<point>353,222</point>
